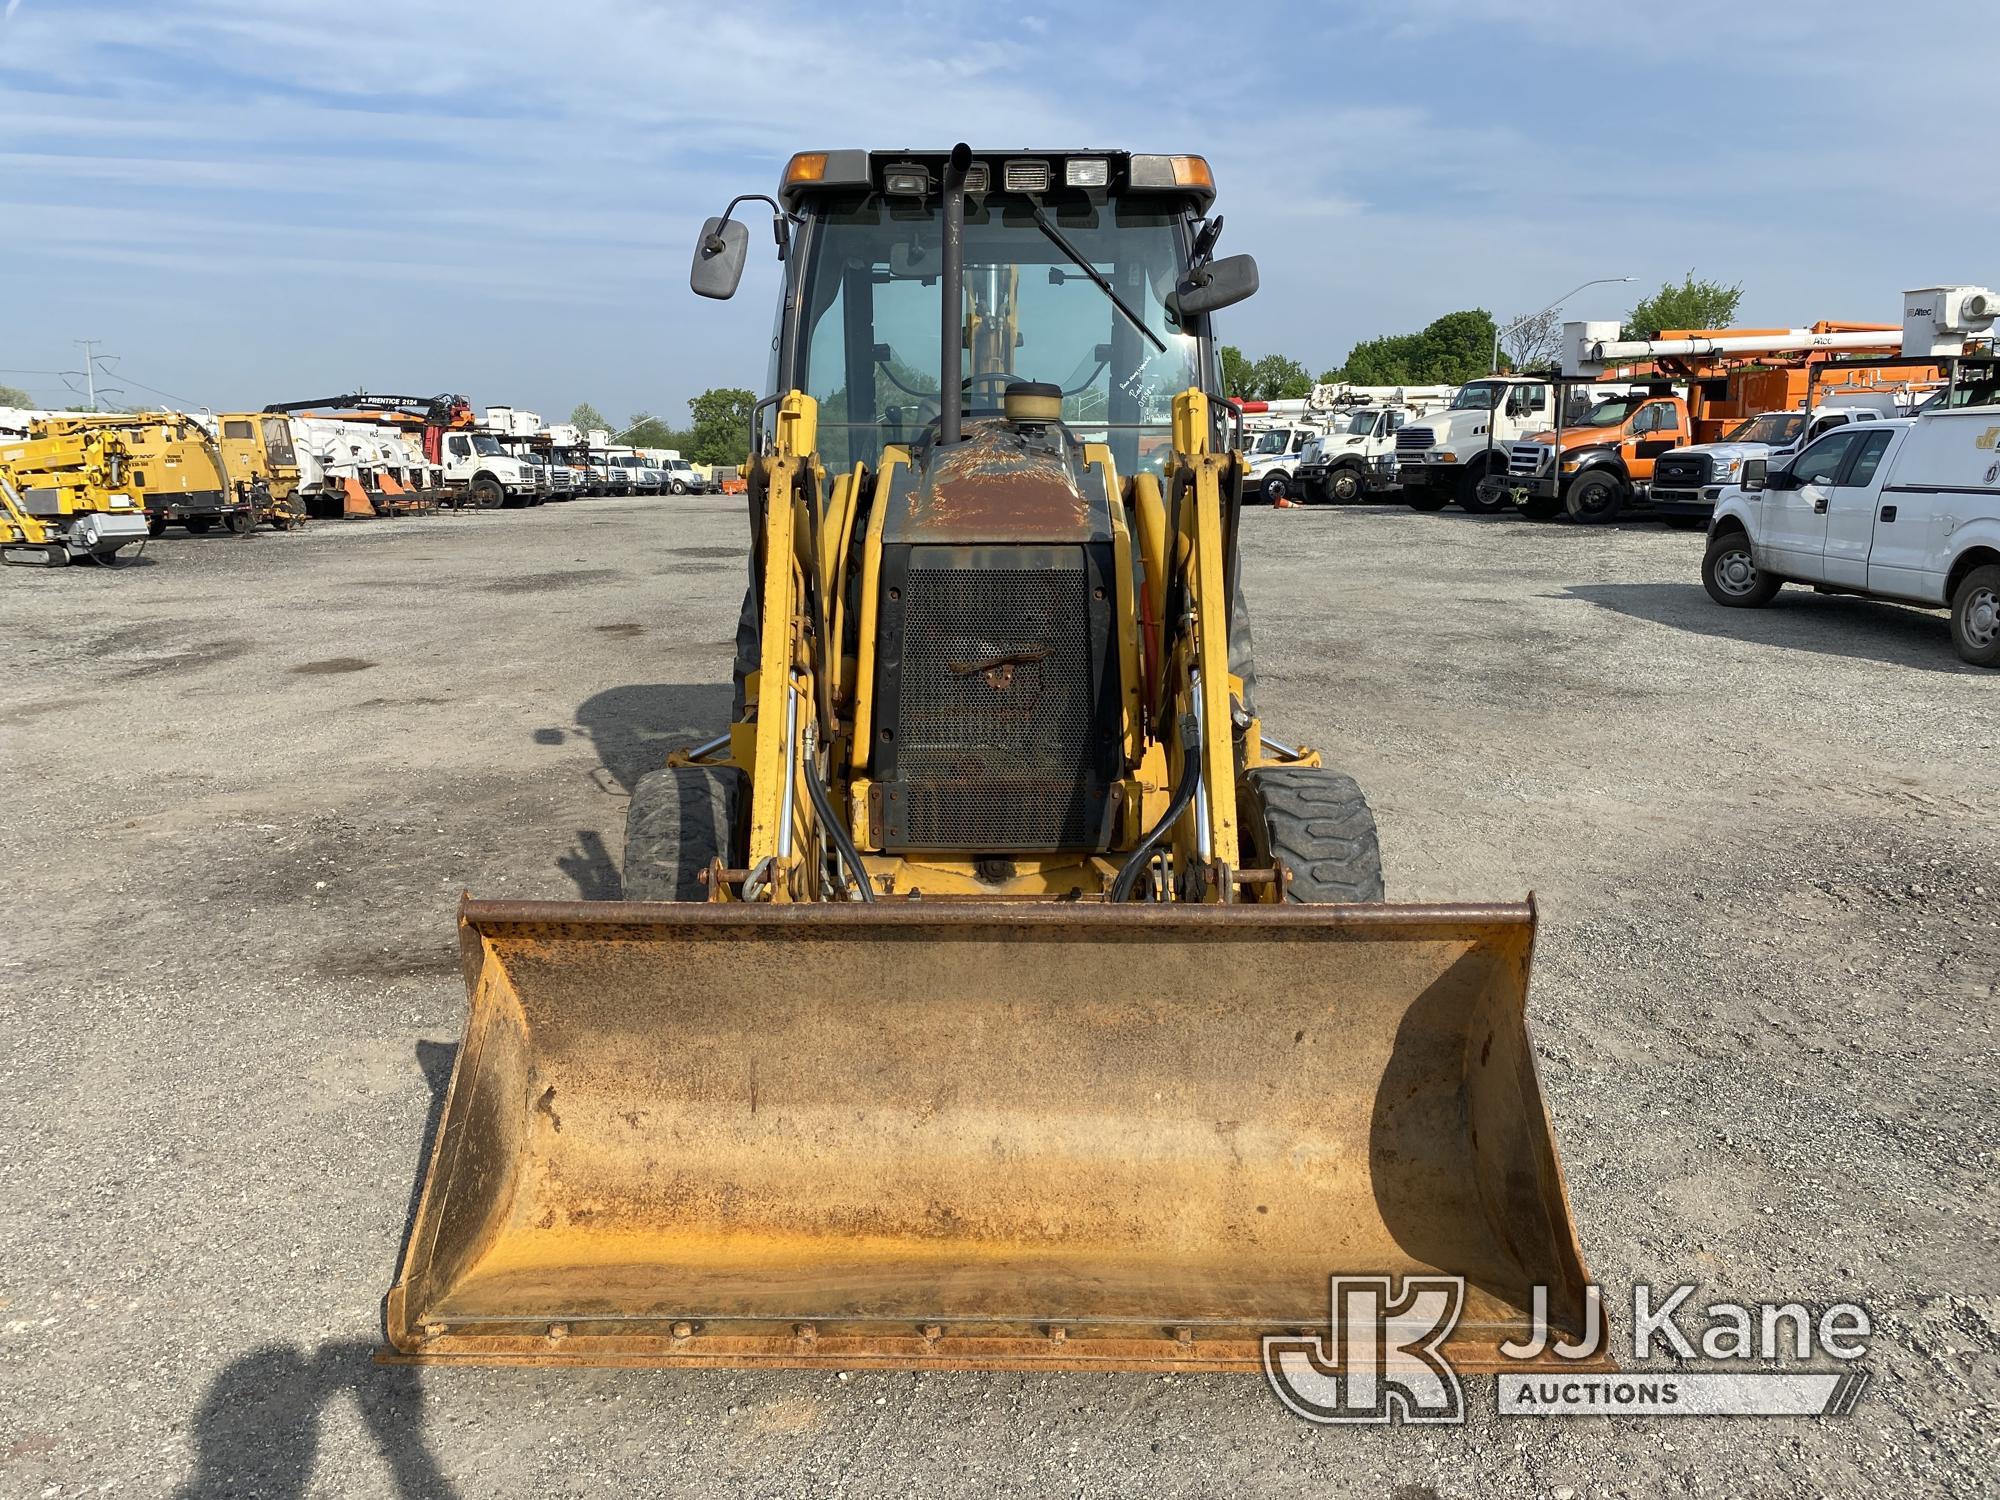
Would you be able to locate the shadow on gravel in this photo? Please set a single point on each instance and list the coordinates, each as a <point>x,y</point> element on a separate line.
<point>257,1432</point>
<point>1860,629</point>
<point>632,728</point>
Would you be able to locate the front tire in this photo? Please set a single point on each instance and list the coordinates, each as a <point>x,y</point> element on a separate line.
<point>1318,825</point>
<point>1730,573</point>
<point>1343,486</point>
<point>1276,487</point>
<point>680,821</point>
<point>1975,617</point>
<point>678,487</point>
<point>1468,497</point>
<point>1594,499</point>
<point>487,494</point>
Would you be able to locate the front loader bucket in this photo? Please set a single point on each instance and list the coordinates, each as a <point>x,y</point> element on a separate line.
<point>983,1136</point>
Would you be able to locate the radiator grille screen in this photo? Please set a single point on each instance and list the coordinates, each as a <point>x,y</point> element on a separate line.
<point>999,741</point>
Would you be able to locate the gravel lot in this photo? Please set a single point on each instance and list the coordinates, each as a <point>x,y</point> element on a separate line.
<point>249,779</point>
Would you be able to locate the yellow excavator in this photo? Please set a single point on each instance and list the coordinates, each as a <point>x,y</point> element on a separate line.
<point>994,992</point>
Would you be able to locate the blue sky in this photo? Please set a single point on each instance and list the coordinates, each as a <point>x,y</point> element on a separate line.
<point>252,200</point>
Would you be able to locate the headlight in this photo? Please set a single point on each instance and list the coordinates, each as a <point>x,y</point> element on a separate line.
<point>1729,466</point>
<point>1570,465</point>
<point>1444,456</point>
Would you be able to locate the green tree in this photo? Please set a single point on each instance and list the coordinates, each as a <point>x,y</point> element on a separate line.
<point>1235,373</point>
<point>1331,377</point>
<point>587,416</point>
<point>1276,378</point>
<point>1456,348</point>
<point>1691,305</point>
<point>721,426</point>
<point>13,395</point>
<point>648,431</point>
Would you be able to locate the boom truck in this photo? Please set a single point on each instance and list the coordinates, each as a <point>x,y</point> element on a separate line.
<point>995,990</point>
<point>1600,464</point>
<point>432,461</point>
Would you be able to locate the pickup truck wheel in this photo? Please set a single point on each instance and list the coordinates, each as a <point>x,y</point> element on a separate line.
<point>1343,486</point>
<point>1975,617</point>
<point>1730,573</point>
<point>1594,499</point>
<point>1317,824</point>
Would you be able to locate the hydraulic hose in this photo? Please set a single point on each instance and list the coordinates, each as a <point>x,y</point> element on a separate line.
<point>1135,864</point>
<point>843,842</point>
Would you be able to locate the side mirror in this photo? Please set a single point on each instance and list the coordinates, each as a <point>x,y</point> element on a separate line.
<point>1754,474</point>
<point>1210,288</point>
<point>718,259</point>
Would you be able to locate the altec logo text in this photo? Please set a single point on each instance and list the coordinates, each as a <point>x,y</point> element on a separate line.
<point>1383,1358</point>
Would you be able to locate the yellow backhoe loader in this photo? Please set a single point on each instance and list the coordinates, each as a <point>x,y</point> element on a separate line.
<point>994,992</point>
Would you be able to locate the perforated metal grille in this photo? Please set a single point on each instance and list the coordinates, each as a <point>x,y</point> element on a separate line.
<point>998,729</point>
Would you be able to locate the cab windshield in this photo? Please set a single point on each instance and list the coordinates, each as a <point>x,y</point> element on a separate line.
<point>1775,427</point>
<point>1481,395</point>
<point>1277,440</point>
<point>1360,424</point>
<point>870,313</point>
<point>489,446</point>
<point>1610,413</point>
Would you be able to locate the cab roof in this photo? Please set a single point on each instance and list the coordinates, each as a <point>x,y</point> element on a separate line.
<point>1024,171</point>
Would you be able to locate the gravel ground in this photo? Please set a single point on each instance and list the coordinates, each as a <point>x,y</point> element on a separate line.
<point>251,777</point>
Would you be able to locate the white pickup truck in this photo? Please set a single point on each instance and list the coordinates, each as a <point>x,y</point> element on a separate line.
<point>1688,481</point>
<point>1905,509</point>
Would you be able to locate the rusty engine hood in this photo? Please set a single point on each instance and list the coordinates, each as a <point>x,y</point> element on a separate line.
<point>1001,484</point>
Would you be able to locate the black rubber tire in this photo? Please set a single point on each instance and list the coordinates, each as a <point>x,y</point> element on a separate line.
<point>1275,487</point>
<point>681,819</point>
<point>241,524</point>
<point>1682,523</point>
<point>1345,486</point>
<point>1467,494</point>
<point>1980,581</point>
<point>487,494</point>
<point>678,487</point>
<point>1317,823</point>
<point>1594,499</point>
<point>1542,507</point>
<point>1426,498</point>
<point>155,526</point>
<point>197,525</point>
<point>1763,587</point>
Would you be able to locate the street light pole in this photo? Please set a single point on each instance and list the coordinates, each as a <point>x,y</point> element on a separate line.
<point>1526,318</point>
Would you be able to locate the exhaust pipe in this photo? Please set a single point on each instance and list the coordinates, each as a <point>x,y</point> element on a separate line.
<point>951,397</point>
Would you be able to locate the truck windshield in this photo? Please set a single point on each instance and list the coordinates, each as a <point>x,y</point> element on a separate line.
<point>1277,440</point>
<point>1481,395</point>
<point>1610,413</point>
<point>486,445</point>
<point>1977,383</point>
<point>870,316</point>
<point>1360,424</point>
<point>1775,427</point>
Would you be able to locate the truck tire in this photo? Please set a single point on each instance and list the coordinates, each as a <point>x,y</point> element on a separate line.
<point>679,487</point>
<point>1594,499</point>
<point>1344,486</point>
<point>241,524</point>
<point>155,526</point>
<point>487,493</point>
<point>1730,573</point>
<point>681,819</point>
<point>1975,617</point>
<point>1468,496</point>
<point>1275,487</point>
<point>1317,824</point>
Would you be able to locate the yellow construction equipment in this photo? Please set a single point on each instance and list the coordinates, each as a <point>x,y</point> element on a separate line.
<point>65,498</point>
<point>993,993</point>
<point>176,468</point>
<point>262,465</point>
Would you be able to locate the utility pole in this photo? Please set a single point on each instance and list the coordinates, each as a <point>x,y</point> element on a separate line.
<point>90,367</point>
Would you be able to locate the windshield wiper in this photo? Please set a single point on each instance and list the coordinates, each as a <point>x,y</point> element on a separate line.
<point>1103,282</point>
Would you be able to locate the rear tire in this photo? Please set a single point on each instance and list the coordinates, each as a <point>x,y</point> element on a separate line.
<point>1975,617</point>
<point>1730,573</point>
<point>1317,824</point>
<point>680,821</point>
